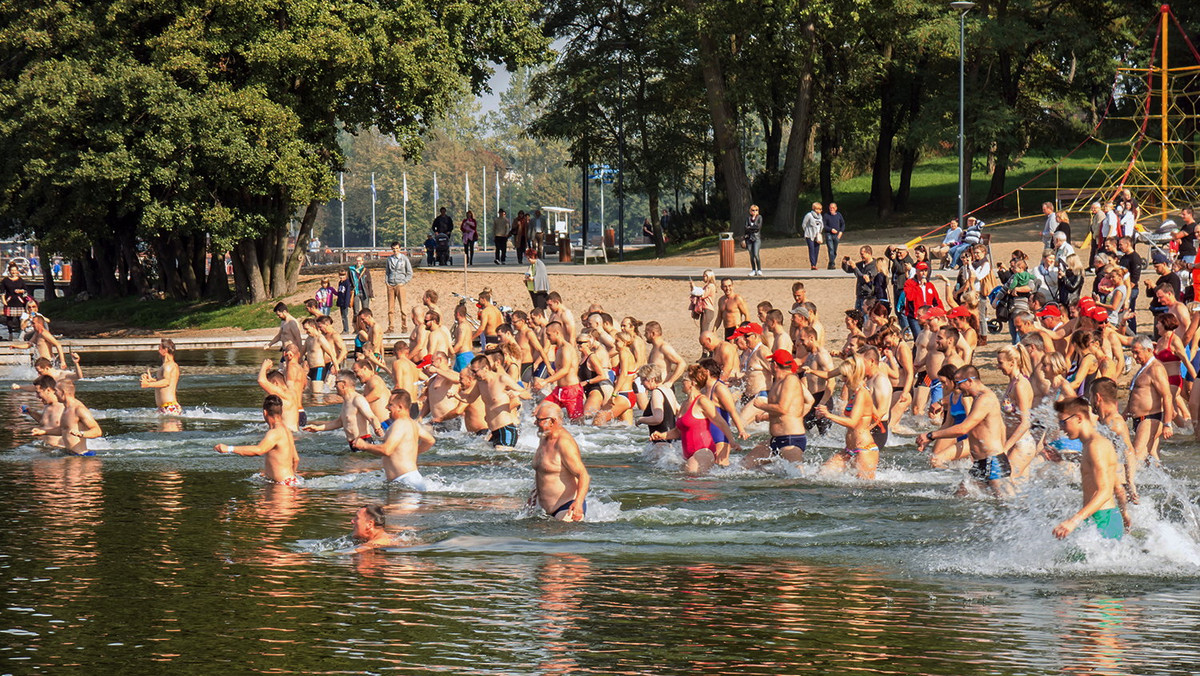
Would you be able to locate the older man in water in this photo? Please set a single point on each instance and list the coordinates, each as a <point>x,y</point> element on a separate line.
<point>369,529</point>
<point>561,479</point>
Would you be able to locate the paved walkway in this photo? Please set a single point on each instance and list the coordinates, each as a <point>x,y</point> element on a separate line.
<point>656,271</point>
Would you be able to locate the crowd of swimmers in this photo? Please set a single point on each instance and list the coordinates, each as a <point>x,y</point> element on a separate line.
<point>910,366</point>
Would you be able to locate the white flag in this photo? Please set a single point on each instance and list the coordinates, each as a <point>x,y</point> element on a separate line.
<point>497,174</point>
<point>342,185</point>
<point>468,184</point>
<point>372,186</point>
<point>435,192</point>
<point>406,186</point>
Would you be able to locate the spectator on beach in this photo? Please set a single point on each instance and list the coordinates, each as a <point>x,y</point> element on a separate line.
<point>753,240</point>
<point>834,226</point>
<point>345,298</point>
<point>500,228</point>
<point>360,278</point>
<point>811,226</point>
<point>519,234</point>
<point>470,233</point>
<point>398,272</point>
<point>325,296</point>
<point>537,229</point>
<point>952,238</point>
<point>536,279</point>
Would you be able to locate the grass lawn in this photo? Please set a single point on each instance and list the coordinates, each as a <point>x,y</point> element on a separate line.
<point>647,254</point>
<point>934,197</point>
<point>159,315</point>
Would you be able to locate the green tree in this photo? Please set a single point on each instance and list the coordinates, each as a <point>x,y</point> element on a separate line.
<point>201,127</point>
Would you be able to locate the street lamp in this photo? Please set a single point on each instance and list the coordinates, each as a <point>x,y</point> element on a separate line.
<point>962,7</point>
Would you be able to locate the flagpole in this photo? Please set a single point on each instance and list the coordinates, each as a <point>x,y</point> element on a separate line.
<point>483,211</point>
<point>406,213</point>
<point>342,193</point>
<point>372,210</point>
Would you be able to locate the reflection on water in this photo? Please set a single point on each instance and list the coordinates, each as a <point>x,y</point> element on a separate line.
<point>159,551</point>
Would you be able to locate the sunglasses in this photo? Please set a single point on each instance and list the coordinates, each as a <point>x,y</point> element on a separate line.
<point>1062,422</point>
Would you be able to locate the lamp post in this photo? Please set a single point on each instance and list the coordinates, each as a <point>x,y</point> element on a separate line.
<point>962,7</point>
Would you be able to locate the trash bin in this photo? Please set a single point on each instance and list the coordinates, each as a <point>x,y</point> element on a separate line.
<point>564,249</point>
<point>726,250</point>
<point>610,238</point>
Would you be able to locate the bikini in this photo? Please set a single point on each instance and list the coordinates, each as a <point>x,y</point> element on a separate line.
<point>1169,357</point>
<point>717,435</point>
<point>871,446</point>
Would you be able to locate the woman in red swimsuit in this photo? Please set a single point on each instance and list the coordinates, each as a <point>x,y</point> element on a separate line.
<point>691,426</point>
<point>1169,349</point>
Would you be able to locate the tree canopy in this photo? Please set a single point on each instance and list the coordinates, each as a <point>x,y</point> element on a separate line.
<point>193,128</point>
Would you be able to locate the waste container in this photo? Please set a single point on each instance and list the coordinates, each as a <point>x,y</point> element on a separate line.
<point>726,250</point>
<point>610,238</point>
<point>564,249</point>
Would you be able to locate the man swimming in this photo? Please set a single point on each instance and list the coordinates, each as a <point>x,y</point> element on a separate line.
<point>369,529</point>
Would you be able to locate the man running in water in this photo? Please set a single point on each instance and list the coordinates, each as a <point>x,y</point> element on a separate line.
<point>277,447</point>
<point>164,380</point>
<point>463,352</point>
<point>567,393</point>
<point>560,314</point>
<point>984,427</point>
<point>723,352</point>
<point>561,479</point>
<point>661,353</point>
<point>405,440</point>
<point>783,409</point>
<point>1150,407</point>
<point>755,366</point>
<point>1097,471</point>
<point>817,360</point>
<point>42,342</point>
<point>289,328</point>
<point>50,417</point>
<point>437,336</point>
<point>76,425</point>
<point>357,419</point>
<point>775,334</point>
<point>490,319</point>
<point>318,354</point>
<point>375,390</point>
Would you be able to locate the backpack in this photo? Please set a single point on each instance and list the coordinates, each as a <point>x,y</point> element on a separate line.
<point>697,306</point>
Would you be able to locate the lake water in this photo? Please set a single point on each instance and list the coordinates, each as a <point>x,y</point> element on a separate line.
<point>161,556</point>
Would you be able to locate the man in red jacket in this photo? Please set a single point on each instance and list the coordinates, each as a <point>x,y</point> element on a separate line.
<point>919,292</point>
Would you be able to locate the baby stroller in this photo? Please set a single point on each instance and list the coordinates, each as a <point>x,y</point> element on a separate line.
<point>443,248</point>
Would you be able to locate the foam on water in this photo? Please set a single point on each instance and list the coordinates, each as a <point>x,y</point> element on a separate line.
<point>201,412</point>
<point>1014,537</point>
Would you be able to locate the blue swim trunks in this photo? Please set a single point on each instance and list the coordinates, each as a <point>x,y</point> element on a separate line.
<point>991,468</point>
<point>782,441</point>
<point>504,436</point>
<point>462,360</point>
<point>1109,523</point>
<point>935,391</point>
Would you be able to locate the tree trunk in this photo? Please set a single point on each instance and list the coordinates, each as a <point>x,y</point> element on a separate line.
<point>241,277</point>
<point>279,263</point>
<point>786,208</point>
<point>48,290</point>
<point>725,133</point>
<point>826,166</point>
<point>255,290</point>
<point>773,131</point>
<point>296,259</point>
<point>184,247</point>
<point>908,162</point>
<point>166,267</point>
<point>881,170</point>
<point>104,268</point>
<point>217,286</point>
<point>999,175</point>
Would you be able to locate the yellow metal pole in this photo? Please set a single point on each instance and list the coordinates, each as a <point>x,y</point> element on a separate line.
<point>1163,29</point>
